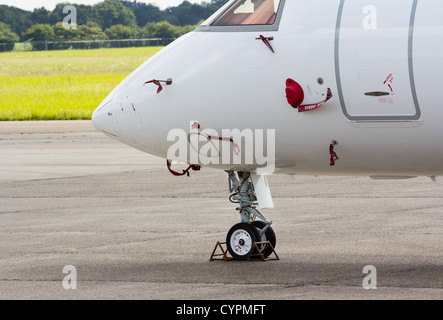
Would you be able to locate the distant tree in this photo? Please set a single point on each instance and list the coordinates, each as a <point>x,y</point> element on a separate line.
<point>39,32</point>
<point>114,12</point>
<point>164,29</point>
<point>121,32</point>
<point>6,34</point>
<point>62,34</point>
<point>40,16</point>
<point>89,31</point>
<point>184,14</point>
<point>161,29</point>
<point>14,17</point>
<point>145,13</point>
<point>7,37</point>
<point>190,14</point>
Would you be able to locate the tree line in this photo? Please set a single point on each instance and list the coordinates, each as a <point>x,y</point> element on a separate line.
<point>110,19</point>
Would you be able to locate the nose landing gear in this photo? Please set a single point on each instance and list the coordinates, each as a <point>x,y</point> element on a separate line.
<point>241,237</point>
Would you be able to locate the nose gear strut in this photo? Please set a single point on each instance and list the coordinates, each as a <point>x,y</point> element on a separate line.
<point>243,193</point>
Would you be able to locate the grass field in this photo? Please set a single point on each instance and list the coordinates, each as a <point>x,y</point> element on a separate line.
<point>63,85</point>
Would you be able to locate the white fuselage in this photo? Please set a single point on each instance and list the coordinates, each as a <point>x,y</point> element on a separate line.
<point>382,60</point>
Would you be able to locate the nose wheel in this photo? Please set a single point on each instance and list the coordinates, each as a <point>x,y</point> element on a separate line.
<point>241,237</point>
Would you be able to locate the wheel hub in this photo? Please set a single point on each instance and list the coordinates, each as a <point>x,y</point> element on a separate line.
<point>241,242</point>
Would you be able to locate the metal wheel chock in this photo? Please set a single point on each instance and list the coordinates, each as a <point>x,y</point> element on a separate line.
<point>255,255</point>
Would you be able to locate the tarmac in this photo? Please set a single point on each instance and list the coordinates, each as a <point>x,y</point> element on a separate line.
<point>72,198</point>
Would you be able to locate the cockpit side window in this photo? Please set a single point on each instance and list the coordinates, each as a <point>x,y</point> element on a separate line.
<point>249,12</point>
<point>246,15</point>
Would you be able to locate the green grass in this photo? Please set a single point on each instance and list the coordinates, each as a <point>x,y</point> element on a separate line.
<point>63,85</point>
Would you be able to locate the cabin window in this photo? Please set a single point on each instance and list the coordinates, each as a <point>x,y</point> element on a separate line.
<point>249,12</point>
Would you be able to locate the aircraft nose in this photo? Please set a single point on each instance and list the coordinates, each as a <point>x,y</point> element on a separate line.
<point>102,119</point>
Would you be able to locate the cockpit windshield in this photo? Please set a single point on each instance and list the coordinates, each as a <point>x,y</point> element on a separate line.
<point>249,12</point>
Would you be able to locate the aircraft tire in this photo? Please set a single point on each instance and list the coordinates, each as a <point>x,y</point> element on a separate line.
<point>240,239</point>
<point>268,236</point>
